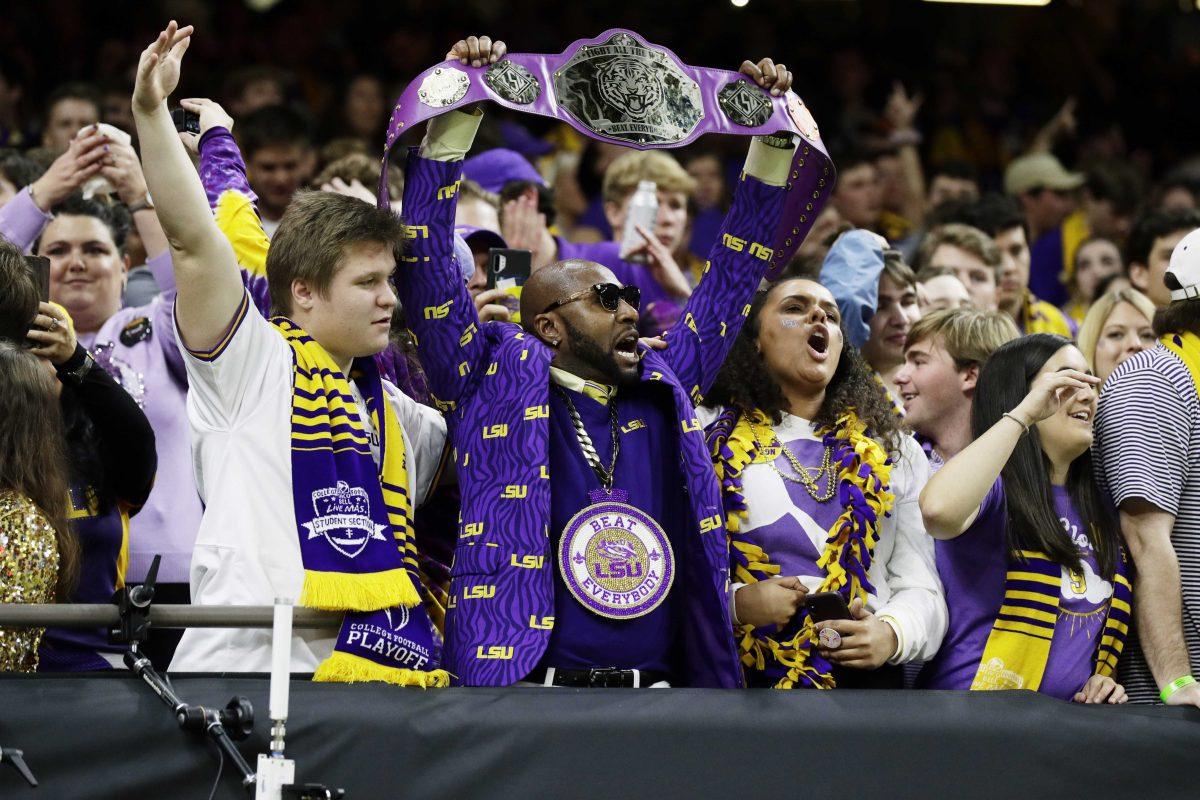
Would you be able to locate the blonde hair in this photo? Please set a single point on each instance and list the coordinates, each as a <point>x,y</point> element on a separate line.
<point>1101,310</point>
<point>624,173</point>
<point>964,237</point>
<point>968,336</point>
<point>470,190</point>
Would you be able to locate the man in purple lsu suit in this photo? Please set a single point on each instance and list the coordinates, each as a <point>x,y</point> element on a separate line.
<point>591,548</point>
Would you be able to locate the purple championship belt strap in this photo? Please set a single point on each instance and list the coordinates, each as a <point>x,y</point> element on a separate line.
<point>619,88</point>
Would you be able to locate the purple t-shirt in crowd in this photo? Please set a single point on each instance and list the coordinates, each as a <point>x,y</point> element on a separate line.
<point>973,567</point>
<point>706,225</point>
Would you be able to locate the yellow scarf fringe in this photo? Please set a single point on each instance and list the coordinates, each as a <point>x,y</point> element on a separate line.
<point>875,489</point>
<point>347,668</point>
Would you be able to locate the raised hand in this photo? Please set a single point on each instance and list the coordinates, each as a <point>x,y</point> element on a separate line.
<point>82,160</point>
<point>663,267</point>
<point>521,224</point>
<point>771,76</point>
<point>158,67</point>
<point>52,334</point>
<point>353,189</point>
<point>477,51</point>
<point>124,171</point>
<point>1063,121</point>
<point>1050,390</point>
<point>901,109</point>
<point>212,115</point>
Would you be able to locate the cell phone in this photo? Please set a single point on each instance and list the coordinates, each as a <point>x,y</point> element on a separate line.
<point>39,270</point>
<point>508,269</point>
<point>186,121</point>
<point>823,606</point>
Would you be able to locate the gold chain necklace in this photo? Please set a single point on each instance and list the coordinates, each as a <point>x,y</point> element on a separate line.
<point>811,483</point>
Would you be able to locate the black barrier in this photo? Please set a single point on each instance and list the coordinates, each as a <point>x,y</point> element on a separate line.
<point>107,737</point>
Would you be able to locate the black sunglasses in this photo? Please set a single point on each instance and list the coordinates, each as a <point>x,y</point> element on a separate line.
<point>610,296</point>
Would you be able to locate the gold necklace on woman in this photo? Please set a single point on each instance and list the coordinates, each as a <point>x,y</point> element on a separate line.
<point>810,482</point>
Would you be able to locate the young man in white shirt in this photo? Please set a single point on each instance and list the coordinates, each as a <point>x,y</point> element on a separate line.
<point>328,271</point>
<point>942,358</point>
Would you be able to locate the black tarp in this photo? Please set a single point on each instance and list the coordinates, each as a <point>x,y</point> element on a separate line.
<point>111,737</point>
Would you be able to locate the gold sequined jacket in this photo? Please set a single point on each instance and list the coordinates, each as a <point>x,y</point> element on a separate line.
<point>28,572</point>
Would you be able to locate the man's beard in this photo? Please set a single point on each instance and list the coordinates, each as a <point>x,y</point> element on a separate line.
<point>600,358</point>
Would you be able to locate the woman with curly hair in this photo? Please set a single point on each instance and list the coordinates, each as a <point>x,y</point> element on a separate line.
<point>820,488</point>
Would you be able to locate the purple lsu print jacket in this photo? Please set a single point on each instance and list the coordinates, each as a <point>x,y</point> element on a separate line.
<point>493,383</point>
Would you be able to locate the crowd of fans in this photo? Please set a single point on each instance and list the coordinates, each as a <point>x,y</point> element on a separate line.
<point>967,407</point>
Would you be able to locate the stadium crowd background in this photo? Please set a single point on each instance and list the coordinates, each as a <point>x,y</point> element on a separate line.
<point>965,91</point>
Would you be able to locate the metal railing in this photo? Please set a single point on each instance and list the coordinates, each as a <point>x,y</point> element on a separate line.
<point>99,615</point>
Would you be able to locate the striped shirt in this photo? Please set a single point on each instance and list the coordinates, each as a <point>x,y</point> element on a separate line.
<point>1146,447</point>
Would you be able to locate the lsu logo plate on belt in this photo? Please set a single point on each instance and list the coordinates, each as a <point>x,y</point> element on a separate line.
<point>616,560</point>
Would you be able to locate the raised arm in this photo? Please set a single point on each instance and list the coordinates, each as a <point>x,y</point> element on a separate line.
<point>206,273</point>
<point>901,115</point>
<point>223,173</point>
<point>23,218</point>
<point>701,338</point>
<point>438,306</point>
<point>950,501</point>
<point>125,173</point>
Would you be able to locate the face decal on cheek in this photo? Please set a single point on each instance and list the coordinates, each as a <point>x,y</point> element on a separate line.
<point>789,323</point>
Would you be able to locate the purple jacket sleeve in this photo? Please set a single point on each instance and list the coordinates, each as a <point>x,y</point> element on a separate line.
<point>223,174</point>
<point>221,166</point>
<point>21,221</point>
<point>438,307</point>
<point>701,338</point>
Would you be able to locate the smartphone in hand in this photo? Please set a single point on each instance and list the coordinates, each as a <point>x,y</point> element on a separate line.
<point>508,269</point>
<point>824,606</point>
<point>39,270</point>
<point>821,606</point>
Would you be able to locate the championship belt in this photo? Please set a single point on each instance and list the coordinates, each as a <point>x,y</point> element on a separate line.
<point>619,88</point>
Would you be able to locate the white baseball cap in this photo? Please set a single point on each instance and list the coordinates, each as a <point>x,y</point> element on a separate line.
<point>1185,267</point>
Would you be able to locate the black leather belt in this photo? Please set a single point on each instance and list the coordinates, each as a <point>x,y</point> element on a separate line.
<point>598,677</point>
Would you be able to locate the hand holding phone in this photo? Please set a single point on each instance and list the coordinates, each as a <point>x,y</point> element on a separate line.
<point>508,269</point>
<point>824,606</point>
<point>186,121</point>
<point>39,270</point>
<point>821,607</point>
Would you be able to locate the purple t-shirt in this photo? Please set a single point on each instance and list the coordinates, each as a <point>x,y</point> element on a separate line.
<point>973,566</point>
<point>706,226</point>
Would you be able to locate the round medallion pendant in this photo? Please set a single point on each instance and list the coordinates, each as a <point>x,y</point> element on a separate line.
<point>616,560</point>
